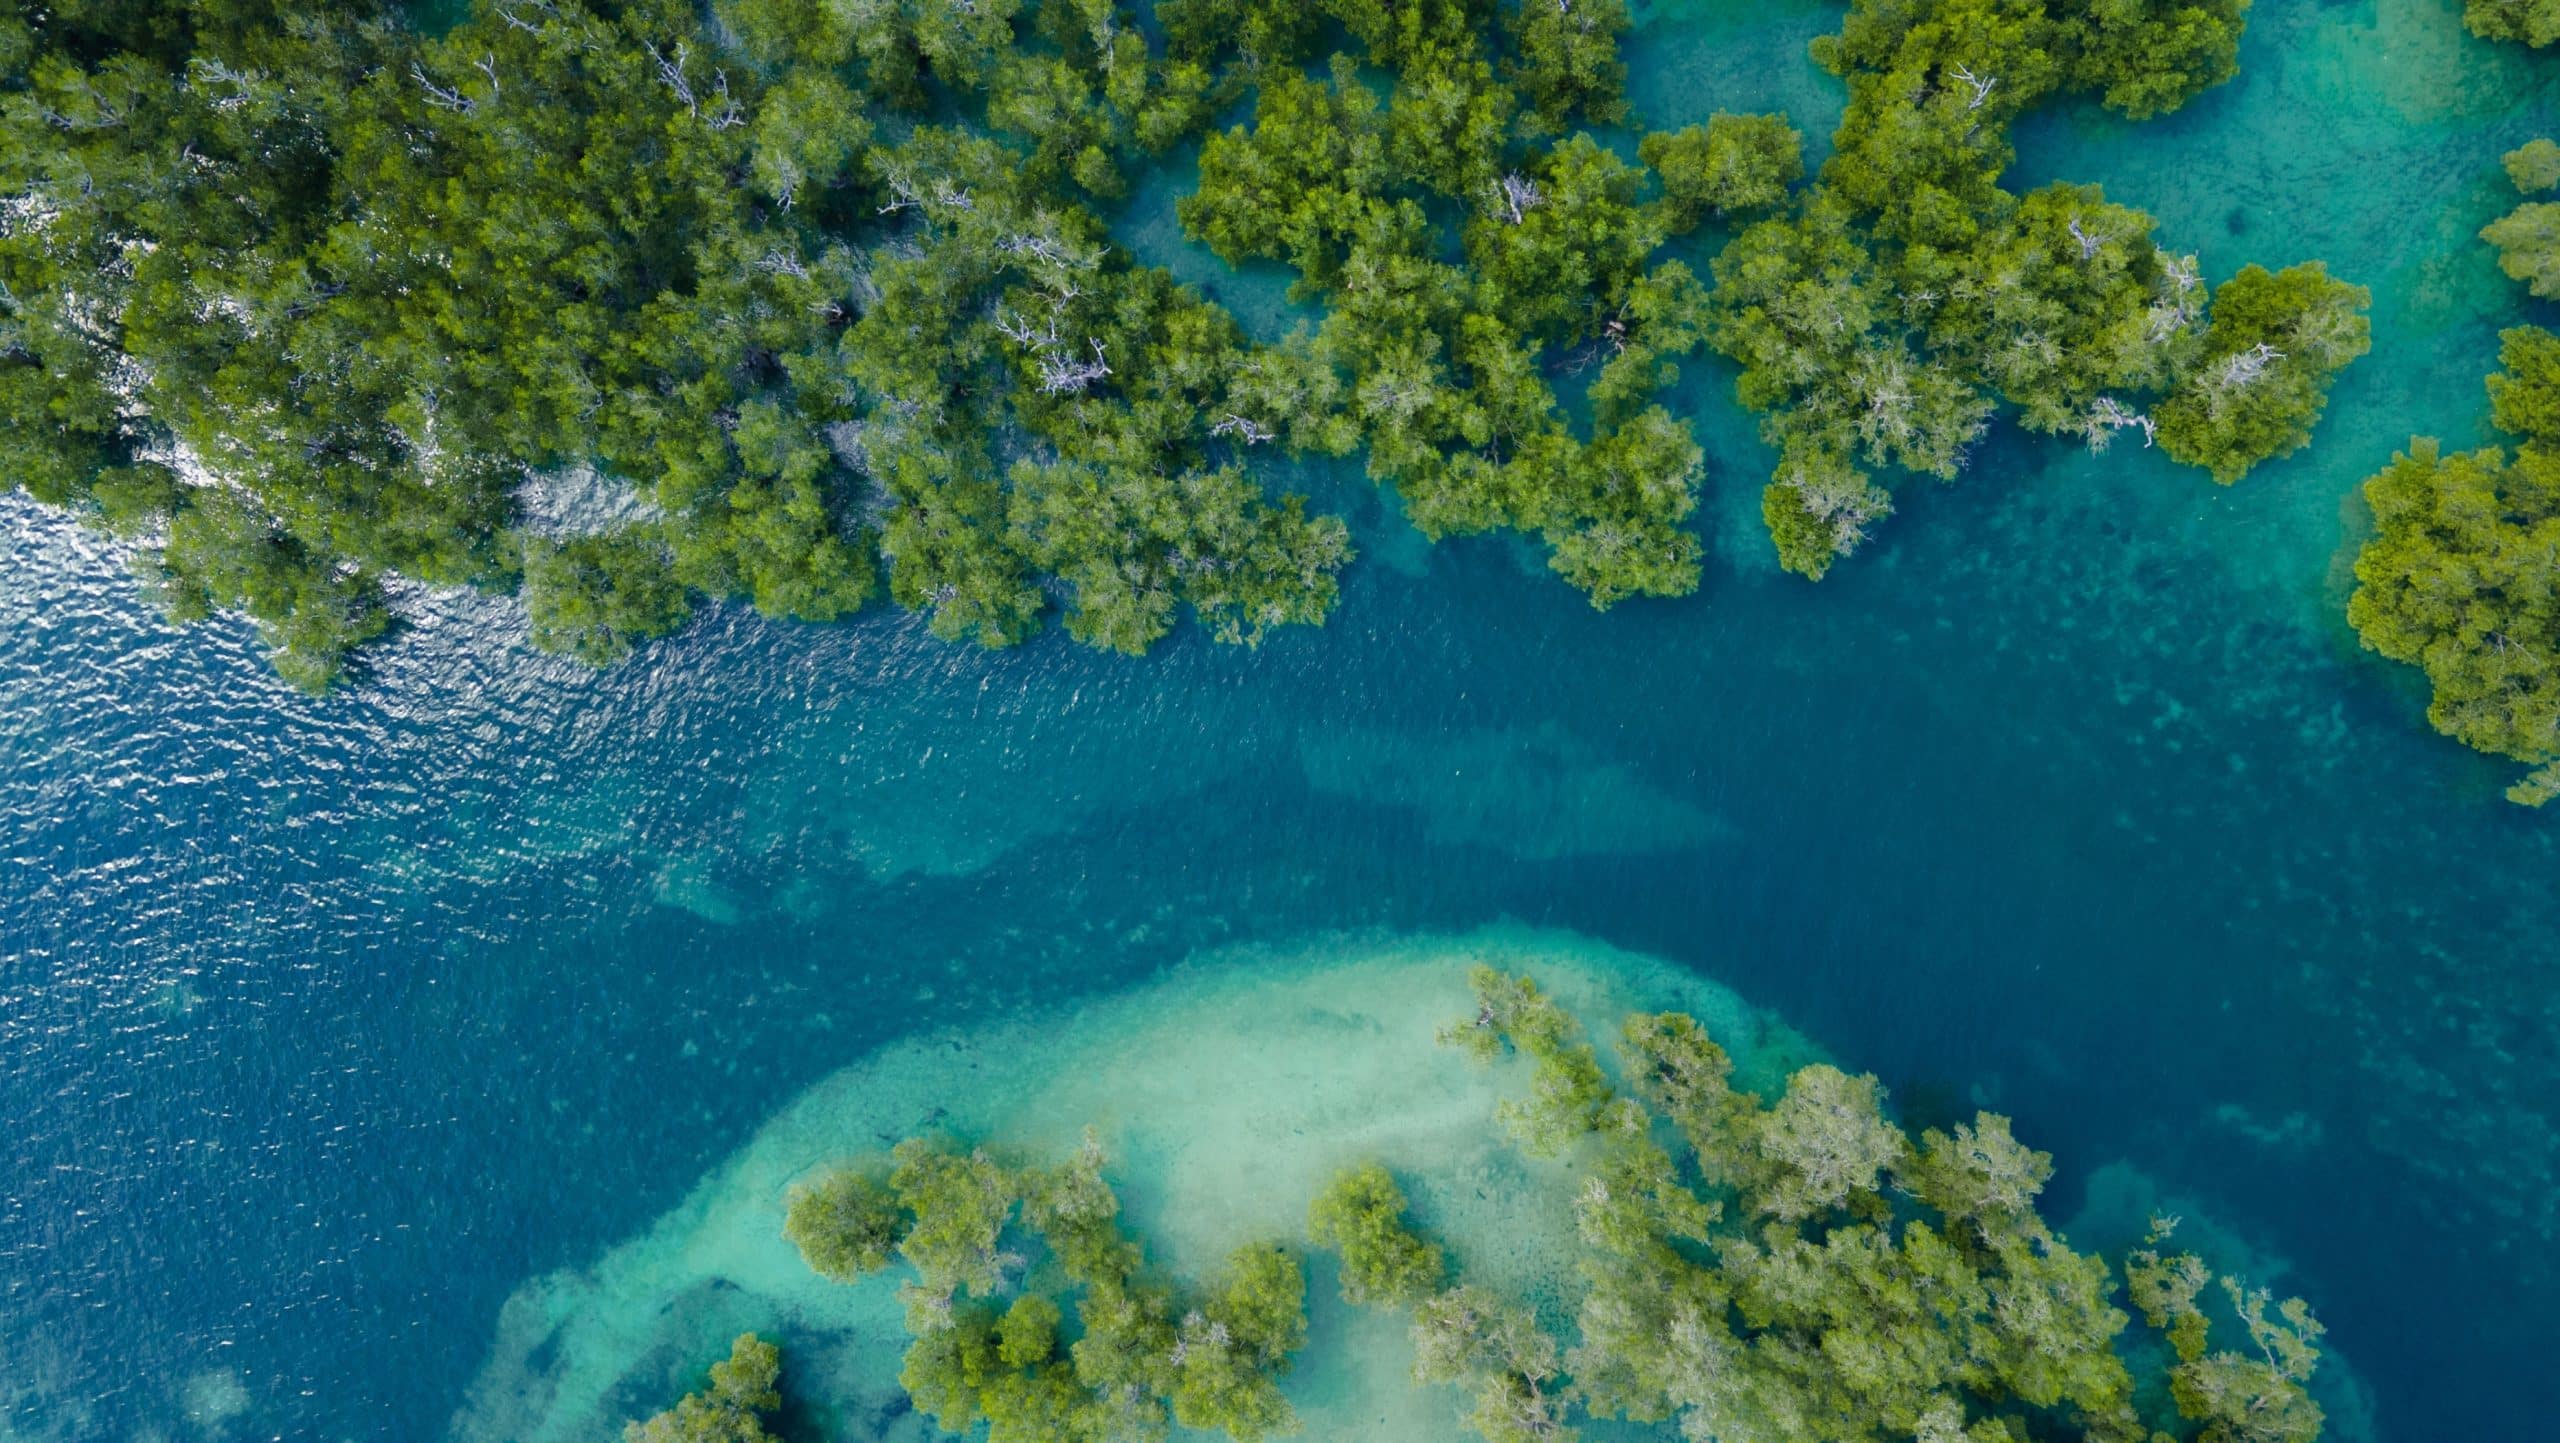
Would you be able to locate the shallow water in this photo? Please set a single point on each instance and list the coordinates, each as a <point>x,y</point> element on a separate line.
<point>330,1025</point>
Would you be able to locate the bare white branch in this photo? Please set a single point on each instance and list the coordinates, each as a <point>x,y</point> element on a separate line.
<point>2090,244</point>
<point>2108,416</point>
<point>1063,375</point>
<point>1980,85</point>
<point>1035,247</point>
<point>442,97</point>
<point>2245,368</point>
<point>2178,301</point>
<point>671,72</point>
<point>203,71</point>
<point>1023,333</point>
<point>1518,195</point>
<point>728,114</point>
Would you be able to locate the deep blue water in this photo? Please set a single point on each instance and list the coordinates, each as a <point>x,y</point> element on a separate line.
<point>325,1024</point>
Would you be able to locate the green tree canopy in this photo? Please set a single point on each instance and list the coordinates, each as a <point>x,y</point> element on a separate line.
<point>846,1224</point>
<point>594,596</point>
<point>2276,342</point>
<point>2534,166</point>
<point>1733,165</point>
<point>2528,237</point>
<point>2528,242</point>
<point>1795,1269</point>
<point>1361,1219</point>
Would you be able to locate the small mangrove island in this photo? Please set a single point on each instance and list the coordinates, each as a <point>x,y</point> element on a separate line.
<point>1795,1269</point>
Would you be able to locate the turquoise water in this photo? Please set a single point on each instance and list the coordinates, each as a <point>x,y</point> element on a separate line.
<point>327,1026</point>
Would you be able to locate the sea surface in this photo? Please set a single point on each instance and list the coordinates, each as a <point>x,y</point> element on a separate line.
<point>325,1025</point>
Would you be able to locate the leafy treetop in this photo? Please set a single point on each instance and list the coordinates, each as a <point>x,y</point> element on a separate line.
<point>2534,22</point>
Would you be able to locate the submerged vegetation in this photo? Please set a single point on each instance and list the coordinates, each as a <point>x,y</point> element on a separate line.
<point>2462,576</point>
<point>304,298</point>
<point>1794,1270</point>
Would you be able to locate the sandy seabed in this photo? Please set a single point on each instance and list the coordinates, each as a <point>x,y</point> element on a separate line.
<point>1226,1095</point>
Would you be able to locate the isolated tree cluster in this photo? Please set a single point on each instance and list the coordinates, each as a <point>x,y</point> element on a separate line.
<point>1033,1315</point>
<point>2462,575</point>
<point>2528,237</point>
